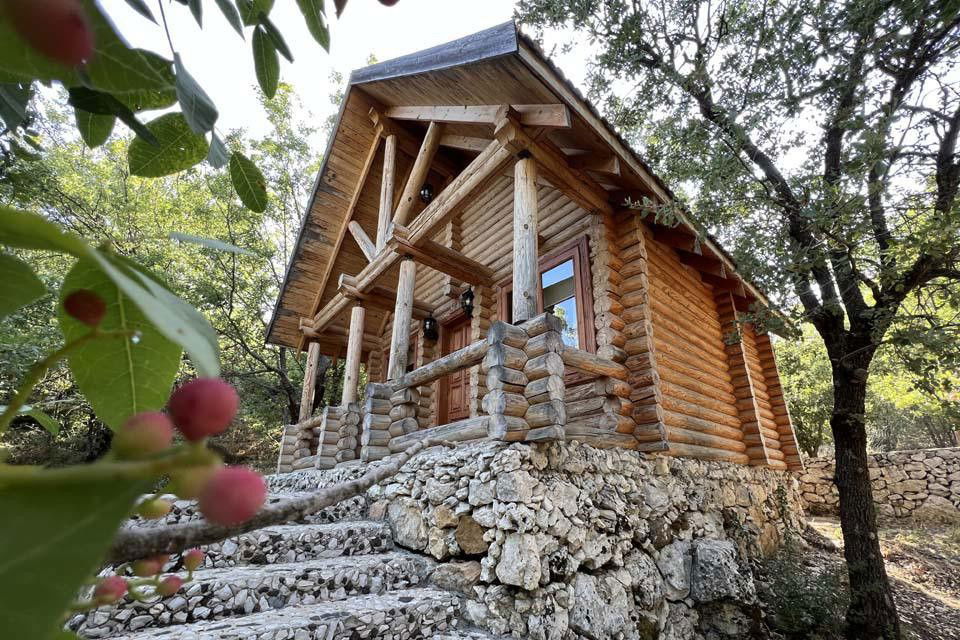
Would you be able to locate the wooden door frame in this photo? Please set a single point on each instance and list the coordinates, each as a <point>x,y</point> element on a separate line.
<point>454,318</point>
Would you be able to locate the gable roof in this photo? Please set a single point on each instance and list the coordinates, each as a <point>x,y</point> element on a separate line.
<point>495,66</point>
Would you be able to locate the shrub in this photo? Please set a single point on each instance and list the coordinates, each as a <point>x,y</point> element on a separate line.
<point>807,599</point>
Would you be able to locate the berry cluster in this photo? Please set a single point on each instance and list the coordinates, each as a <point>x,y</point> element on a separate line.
<point>201,408</point>
<point>146,582</point>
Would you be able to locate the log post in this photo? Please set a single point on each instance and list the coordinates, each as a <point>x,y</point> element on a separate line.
<point>328,436</point>
<point>351,369</point>
<point>375,433</point>
<point>402,315</point>
<point>525,271</point>
<point>418,174</point>
<point>309,381</point>
<point>349,441</point>
<point>502,365</point>
<point>546,414</point>
<point>387,183</point>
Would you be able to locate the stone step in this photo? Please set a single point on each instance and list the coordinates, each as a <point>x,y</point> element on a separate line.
<point>216,594</point>
<point>297,543</point>
<point>409,614</point>
<point>186,511</point>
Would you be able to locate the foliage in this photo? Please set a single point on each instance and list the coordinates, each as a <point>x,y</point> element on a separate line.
<point>805,603</point>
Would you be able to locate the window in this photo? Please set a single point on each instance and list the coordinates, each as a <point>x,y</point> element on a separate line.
<point>565,291</point>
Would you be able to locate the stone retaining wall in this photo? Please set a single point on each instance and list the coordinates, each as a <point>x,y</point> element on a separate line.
<point>563,540</point>
<point>922,484</point>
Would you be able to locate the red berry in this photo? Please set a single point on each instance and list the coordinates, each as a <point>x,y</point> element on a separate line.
<point>203,407</point>
<point>233,495</point>
<point>110,590</point>
<point>143,435</point>
<point>169,585</point>
<point>149,566</point>
<point>193,559</point>
<point>86,306</point>
<point>154,509</point>
<point>189,483</point>
<point>59,29</point>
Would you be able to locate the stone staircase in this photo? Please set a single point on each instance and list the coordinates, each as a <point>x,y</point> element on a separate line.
<point>333,575</point>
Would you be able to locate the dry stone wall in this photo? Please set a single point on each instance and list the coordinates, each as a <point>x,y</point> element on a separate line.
<point>922,484</point>
<point>563,540</point>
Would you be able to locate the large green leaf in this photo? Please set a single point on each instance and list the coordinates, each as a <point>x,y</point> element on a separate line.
<point>276,37</point>
<point>173,317</point>
<point>218,156</point>
<point>230,13</point>
<point>266,63</point>
<point>95,128</point>
<point>141,7</point>
<point>19,286</point>
<point>25,230</point>
<point>250,10</point>
<point>248,182</point>
<point>179,148</point>
<point>312,11</point>
<point>43,418</point>
<point>14,98</point>
<point>106,104</point>
<point>54,539</point>
<point>210,243</point>
<point>198,108</point>
<point>118,376</point>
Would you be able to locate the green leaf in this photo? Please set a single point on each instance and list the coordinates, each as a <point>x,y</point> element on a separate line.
<point>312,11</point>
<point>25,230</point>
<point>218,156</point>
<point>13,103</point>
<point>250,10</point>
<point>105,104</point>
<point>19,285</point>
<point>196,8</point>
<point>179,148</point>
<point>276,37</point>
<point>248,182</point>
<point>118,376</point>
<point>61,535</point>
<point>94,128</point>
<point>147,100</point>
<point>198,108</point>
<point>172,317</point>
<point>141,7</point>
<point>265,62</point>
<point>210,243</point>
<point>230,13</point>
<point>43,418</point>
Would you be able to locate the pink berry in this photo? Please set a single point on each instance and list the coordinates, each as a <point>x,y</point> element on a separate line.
<point>189,483</point>
<point>110,590</point>
<point>193,559</point>
<point>149,566</point>
<point>143,435</point>
<point>59,29</point>
<point>203,407</point>
<point>154,509</point>
<point>169,585</point>
<point>86,306</point>
<point>233,495</point>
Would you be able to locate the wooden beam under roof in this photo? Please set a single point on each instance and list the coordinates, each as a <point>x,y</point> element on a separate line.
<point>604,163</point>
<point>706,265</point>
<point>531,115</point>
<point>464,143</point>
<point>418,174</point>
<point>379,296</point>
<point>363,240</point>
<point>678,238</point>
<point>410,144</point>
<point>442,258</point>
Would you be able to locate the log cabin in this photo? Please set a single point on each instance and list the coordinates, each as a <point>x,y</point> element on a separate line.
<point>473,242</point>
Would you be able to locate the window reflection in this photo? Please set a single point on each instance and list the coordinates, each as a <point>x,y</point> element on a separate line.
<point>559,297</point>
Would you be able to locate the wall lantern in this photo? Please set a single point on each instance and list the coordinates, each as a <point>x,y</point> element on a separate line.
<point>426,193</point>
<point>466,302</point>
<point>430,328</point>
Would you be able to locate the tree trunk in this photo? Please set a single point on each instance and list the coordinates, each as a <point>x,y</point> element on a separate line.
<point>872,612</point>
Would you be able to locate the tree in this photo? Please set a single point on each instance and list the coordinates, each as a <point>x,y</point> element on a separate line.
<point>821,137</point>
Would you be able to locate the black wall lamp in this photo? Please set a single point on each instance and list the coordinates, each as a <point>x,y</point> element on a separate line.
<point>466,302</point>
<point>430,328</point>
<point>426,193</point>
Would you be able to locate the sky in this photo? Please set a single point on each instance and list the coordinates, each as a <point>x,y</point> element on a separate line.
<point>366,28</point>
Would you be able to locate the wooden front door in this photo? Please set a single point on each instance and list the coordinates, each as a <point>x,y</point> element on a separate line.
<point>454,391</point>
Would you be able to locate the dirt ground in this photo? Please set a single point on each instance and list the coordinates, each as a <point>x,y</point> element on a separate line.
<point>923,561</point>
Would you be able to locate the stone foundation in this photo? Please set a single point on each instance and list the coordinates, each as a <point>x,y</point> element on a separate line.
<point>923,485</point>
<point>563,540</point>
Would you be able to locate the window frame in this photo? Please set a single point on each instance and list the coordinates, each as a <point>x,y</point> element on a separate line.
<point>579,251</point>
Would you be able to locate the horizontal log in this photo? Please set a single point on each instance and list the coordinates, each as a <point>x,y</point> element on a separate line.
<point>500,426</point>
<point>542,323</point>
<point>406,425</point>
<point>546,413</point>
<point>304,463</point>
<point>590,363</point>
<point>531,115</point>
<point>374,453</point>
<point>546,342</point>
<point>677,434</point>
<point>401,411</point>
<point>376,438</point>
<point>552,387</point>
<point>551,433</point>
<point>599,437</point>
<point>376,421</point>
<point>500,377</point>
<point>549,364</point>
<point>504,355</point>
<point>508,334</point>
<point>705,453</point>
<point>469,429</point>
<point>500,402</point>
<point>451,363</point>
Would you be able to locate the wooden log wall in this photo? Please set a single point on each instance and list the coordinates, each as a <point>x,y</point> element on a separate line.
<point>375,422</point>
<point>328,435</point>
<point>605,266</point>
<point>771,406</point>
<point>288,447</point>
<point>506,379</point>
<point>546,413</point>
<point>638,331</point>
<point>348,444</point>
<point>698,402</point>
